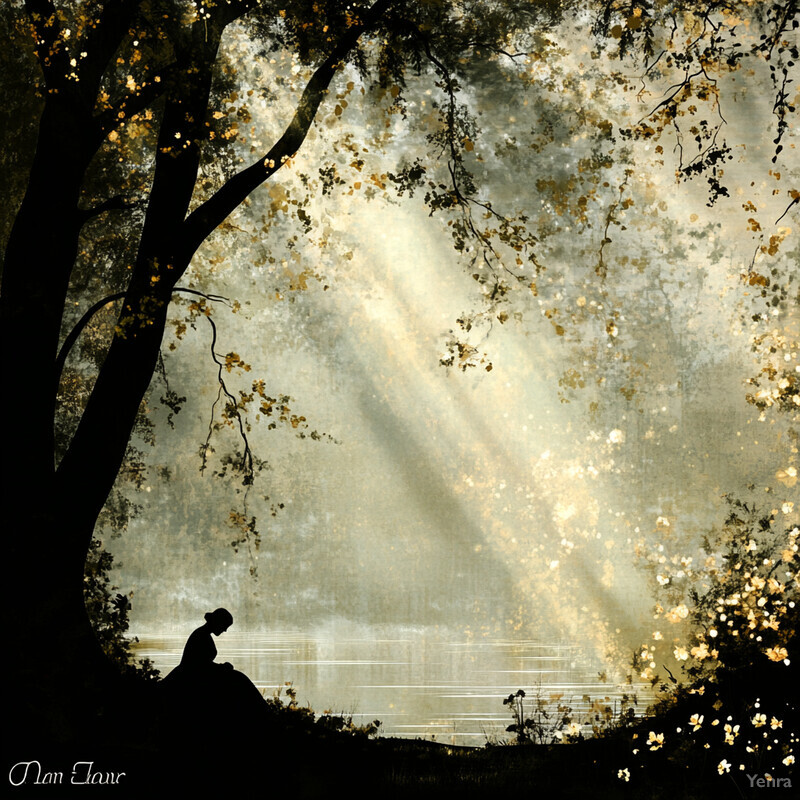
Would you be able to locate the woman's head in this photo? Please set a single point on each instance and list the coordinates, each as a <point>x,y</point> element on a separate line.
<point>219,621</point>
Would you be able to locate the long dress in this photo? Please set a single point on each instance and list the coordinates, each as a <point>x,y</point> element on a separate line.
<point>209,700</point>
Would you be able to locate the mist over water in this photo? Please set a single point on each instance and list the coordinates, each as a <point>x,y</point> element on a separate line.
<point>419,682</point>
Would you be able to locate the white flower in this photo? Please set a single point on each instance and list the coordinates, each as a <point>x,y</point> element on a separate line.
<point>655,740</point>
<point>573,729</point>
<point>723,767</point>
<point>731,733</point>
<point>777,654</point>
<point>678,613</point>
<point>624,774</point>
<point>700,651</point>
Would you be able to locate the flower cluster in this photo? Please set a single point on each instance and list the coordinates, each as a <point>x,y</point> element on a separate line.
<point>731,623</point>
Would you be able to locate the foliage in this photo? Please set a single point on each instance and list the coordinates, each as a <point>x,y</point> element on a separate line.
<point>109,612</point>
<point>736,708</point>
<point>546,725</point>
<point>452,45</point>
<point>692,47</point>
<point>747,613</point>
<point>551,721</point>
<point>735,601</point>
<point>296,719</point>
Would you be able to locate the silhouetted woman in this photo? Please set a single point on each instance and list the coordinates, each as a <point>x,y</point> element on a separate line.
<point>207,696</point>
<point>200,650</point>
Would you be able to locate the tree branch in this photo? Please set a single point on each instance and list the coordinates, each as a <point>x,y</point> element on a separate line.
<point>788,208</point>
<point>204,219</point>
<point>63,72</point>
<point>247,455</point>
<point>97,447</point>
<point>458,171</point>
<point>116,203</point>
<point>177,157</point>
<point>789,11</point>
<point>72,336</point>
<point>104,38</point>
<point>42,14</point>
<point>76,331</point>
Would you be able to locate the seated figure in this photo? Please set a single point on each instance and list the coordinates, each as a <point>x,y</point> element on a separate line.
<point>200,650</point>
<point>206,698</point>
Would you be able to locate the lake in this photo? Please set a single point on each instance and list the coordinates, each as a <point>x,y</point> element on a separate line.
<point>419,682</point>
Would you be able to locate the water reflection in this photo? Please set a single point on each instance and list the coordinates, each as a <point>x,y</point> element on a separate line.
<point>419,683</point>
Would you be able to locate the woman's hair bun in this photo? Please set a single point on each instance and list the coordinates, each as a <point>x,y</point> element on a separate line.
<point>221,614</point>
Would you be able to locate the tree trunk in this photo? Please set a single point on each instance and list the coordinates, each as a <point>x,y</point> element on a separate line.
<point>54,656</point>
<point>59,675</point>
<point>58,671</point>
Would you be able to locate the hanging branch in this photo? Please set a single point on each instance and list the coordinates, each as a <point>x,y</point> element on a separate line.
<point>72,336</point>
<point>461,181</point>
<point>794,202</point>
<point>247,455</point>
<point>602,268</point>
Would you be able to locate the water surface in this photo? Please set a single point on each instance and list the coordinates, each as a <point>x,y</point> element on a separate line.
<point>419,683</point>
